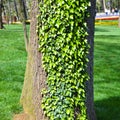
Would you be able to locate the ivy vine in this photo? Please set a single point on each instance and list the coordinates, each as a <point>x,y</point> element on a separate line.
<point>62,39</point>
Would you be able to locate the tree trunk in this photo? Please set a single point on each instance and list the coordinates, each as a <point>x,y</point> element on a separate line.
<point>16,9</point>
<point>10,13</point>
<point>119,20</point>
<point>24,9</point>
<point>119,13</point>
<point>89,84</point>
<point>23,19</point>
<point>35,75</point>
<point>104,5</point>
<point>1,5</point>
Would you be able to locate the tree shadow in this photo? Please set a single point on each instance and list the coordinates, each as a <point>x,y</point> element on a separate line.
<point>110,37</point>
<point>100,30</point>
<point>108,109</point>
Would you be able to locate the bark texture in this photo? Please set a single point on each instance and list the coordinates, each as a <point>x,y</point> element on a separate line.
<point>35,76</point>
<point>89,84</point>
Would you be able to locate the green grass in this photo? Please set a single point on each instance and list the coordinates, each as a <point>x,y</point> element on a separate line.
<point>107,72</point>
<point>12,69</point>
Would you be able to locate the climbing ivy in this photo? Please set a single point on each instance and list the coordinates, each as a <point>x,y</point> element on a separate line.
<point>62,39</point>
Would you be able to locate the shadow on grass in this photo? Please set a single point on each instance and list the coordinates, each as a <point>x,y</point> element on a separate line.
<point>101,30</point>
<point>108,109</point>
<point>110,37</point>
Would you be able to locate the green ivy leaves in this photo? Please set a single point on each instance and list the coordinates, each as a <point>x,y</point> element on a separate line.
<point>62,37</point>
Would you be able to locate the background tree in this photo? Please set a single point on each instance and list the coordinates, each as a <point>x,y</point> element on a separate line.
<point>107,4</point>
<point>16,9</point>
<point>104,5</point>
<point>118,6</point>
<point>35,75</point>
<point>119,21</point>
<point>1,7</point>
<point>11,10</point>
<point>23,17</point>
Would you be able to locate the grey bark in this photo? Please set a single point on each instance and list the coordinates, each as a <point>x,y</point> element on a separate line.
<point>89,84</point>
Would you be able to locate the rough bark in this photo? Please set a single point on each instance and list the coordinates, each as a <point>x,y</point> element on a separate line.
<point>89,84</point>
<point>35,76</point>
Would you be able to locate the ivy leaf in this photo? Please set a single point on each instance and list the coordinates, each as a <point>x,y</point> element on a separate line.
<point>62,37</point>
<point>68,111</point>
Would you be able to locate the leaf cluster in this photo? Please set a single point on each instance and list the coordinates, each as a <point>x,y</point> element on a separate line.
<point>62,40</point>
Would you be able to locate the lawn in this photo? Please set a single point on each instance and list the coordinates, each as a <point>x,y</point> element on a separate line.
<point>106,71</point>
<point>12,69</point>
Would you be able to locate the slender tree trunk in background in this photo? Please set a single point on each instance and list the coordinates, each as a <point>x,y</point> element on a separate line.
<point>35,76</point>
<point>119,21</point>
<point>24,9</point>
<point>23,19</point>
<point>16,9</point>
<point>9,8</point>
<point>111,6</point>
<point>1,6</point>
<point>89,84</point>
<point>119,13</point>
<point>25,35</point>
<point>104,5</point>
